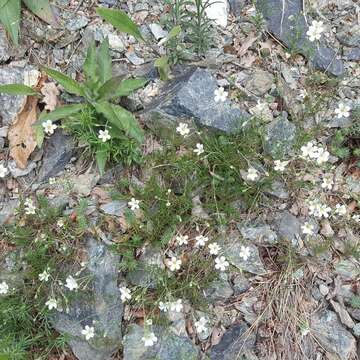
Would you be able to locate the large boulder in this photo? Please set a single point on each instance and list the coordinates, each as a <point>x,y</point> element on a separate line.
<point>190,98</point>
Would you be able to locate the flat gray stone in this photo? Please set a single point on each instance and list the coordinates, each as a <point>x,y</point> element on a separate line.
<point>168,347</point>
<point>289,227</point>
<point>260,82</point>
<point>219,289</point>
<point>190,97</point>
<point>4,46</point>
<point>100,307</point>
<point>285,20</point>
<point>259,233</point>
<point>115,208</point>
<point>77,22</point>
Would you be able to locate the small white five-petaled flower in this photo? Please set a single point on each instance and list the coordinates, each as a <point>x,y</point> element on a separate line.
<point>176,306</point>
<point>44,276</point>
<point>327,183</point>
<point>51,304</point>
<point>183,129</point>
<point>4,288</point>
<point>149,339</point>
<point>252,174</point>
<point>200,325</point>
<point>221,263</point>
<point>134,204</point>
<point>199,149</point>
<point>280,165</point>
<point>343,110</point>
<point>173,264</point>
<point>104,135</point>
<point>214,248</point>
<point>220,94</point>
<point>3,171</point>
<point>315,30</point>
<point>29,207</point>
<point>340,209</point>
<point>88,332</point>
<point>71,283</point>
<point>125,294</point>
<point>307,228</point>
<point>201,240</point>
<point>245,252</point>
<point>182,239</point>
<point>49,127</point>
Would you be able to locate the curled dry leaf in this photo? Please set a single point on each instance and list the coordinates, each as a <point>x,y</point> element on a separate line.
<point>50,92</point>
<point>21,135</point>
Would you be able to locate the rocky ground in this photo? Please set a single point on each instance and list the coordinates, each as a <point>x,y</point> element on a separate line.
<point>217,246</point>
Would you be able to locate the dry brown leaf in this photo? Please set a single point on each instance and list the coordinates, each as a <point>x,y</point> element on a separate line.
<point>247,61</point>
<point>21,136</point>
<point>244,47</point>
<point>216,336</point>
<point>50,92</point>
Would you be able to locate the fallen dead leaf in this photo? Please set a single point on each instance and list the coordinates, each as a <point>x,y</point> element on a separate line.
<point>50,92</point>
<point>245,45</point>
<point>216,336</point>
<point>21,136</point>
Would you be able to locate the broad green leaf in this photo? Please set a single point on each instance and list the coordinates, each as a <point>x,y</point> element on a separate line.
<point>120,21</point>
<point>39,134</point>
<point>10,18</point>
<point>120,88</point>
<point>104,62</point>
<point>17,89</point>
<point>174,32</point>
<point>42,9</point>
<point>162,64</point>
<point>70,85</point>
<point>61,112</point>
<point>90,64</point>
<point>101,157</point>
<point>121,118</point>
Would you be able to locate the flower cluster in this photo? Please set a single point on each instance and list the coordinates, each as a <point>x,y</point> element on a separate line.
<point>313,151</point>
<point>29,207</point>
<point>173,306</point>
<point>315,30</point>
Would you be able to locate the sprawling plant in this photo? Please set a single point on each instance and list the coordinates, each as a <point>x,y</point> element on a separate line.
<point>10,14</point>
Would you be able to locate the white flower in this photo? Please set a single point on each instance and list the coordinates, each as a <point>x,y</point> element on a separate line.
<point>176,306</point>
<point>319,210</point>
<point>183,129</point>
<point>199,149</point>
<point>88,332</point>
<point>71,283</point>
<point>104,135</point>
<point>3,171</point>
<point>308,229</point>
<point>60,223</point>
<point>221,263</point>
<point>220,95</point>
<point>252,174</point>
<point>163,306</point>
<point>52,181</point>
<point>308,149</point>
<point>280,165</point>
<point>322,156</point>
<point>315,30</point>
<point>214,248</point>
<point>4,288</point>
<point>125,294</point>
<point>134,204</point>
<point>51,304</point>
<point>49,127</point>
<point>44,276</point>
<point>182,239</point>
<point>200,325</point>
<point>174,264</point>
<point>356,218</point>
<point>201,240</point>
<point>343,110</point>
<point>149,339</point>
<point>245,252</point>
<point>29,207</point>
<point>327,183</point>
<point>340,209</point>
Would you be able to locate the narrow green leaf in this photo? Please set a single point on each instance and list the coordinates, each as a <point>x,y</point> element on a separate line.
<point>10,18</point>
<point>101,157</point>
<point>90,63</point>
<point>61,112</point>
<point>39,135</point>
<point>42,9</point>
<point>17,89</point>
<point>120,21</point>
<point>113,89</point>
<point>174,32</point>
<point>162,64</point>
<point>104,62</point>
<point>70,85</point>
<point>121,118</point>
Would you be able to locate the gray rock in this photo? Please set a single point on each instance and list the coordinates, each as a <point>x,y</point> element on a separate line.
<point>286,21</point>
<point>7,210</point>
<point>352,54</point>
<point>4,47</point>
<point>240,284</point>
<point>332,335</point>
<point>77,22</point>
<point>289,227</point>
<point>347,269</point>
<point>191,97</point>
<point>101,308</point>
<point>259,234</point>
<point>168,347</point>
<point>158,31</point>
<point>57,153</point>
<point>219,290</point>
<point>17,172</point>
<point>234,343</point>
<point>115,208</point>
<point>134,58</point>
<point>11,105</point>
<point>112,175</point>
<point>278,189</point>
<point>236,6</point>
<point>354,184</point>
<point>349,36</point>
<point>279,138</point>
<point>60,201</point>
<point>260,82</point>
